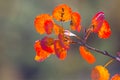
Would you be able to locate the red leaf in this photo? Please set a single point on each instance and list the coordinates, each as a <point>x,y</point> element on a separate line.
<point>41,54</point>
<point>47,44</point>
<point>48,26</point>
<point>105,30</point>
<point>97,21</point>
<point>60,52</point>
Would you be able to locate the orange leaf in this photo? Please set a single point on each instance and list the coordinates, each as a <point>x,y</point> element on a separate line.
<point>100,73</point>
<point>62,12</point>
<point>116,77</point>
<point>86,55</point>
<point>41,54</point>
<point>105,30</point>
<point>40,24</point>
<point>75,21</point>
<point>60,52</point>
<point>57,29</point>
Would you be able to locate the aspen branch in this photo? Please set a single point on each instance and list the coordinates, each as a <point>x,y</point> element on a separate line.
<point>100,51</point>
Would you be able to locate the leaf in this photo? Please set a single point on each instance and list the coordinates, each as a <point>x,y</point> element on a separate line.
<point>86,55</point>
<point>116,77</point>
<point>41,54</point>
<point>47,44</point>
<point>62,12</point>
<point>42,22</point>
<point>48,26</point>
<point>100,73</point>
<point>64,40</point>
<point>60,52</point>
<point>57,29</point>
<point>97,21</point>
<point>105,30</point>
<point>75,21</point>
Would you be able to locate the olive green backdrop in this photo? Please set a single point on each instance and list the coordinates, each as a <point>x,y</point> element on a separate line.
<point>17,36</point>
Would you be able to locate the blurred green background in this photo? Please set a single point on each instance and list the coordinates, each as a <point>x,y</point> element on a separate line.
<point>17,36</point>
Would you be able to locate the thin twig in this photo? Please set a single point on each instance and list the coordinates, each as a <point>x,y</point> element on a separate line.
<point>88,32</point>
<point>100,51</point>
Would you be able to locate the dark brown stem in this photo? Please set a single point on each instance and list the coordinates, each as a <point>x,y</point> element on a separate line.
<point>88,32</point>
<point>100,51</point>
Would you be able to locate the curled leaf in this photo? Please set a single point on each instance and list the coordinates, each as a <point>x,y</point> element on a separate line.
<point>97,21</point>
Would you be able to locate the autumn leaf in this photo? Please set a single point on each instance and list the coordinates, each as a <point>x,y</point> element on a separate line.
<point>41,54</point>
<point>48,26</point>
<point>62,12</point>
<point>97,21</point>
<point>47,44</point>
<point>60,52</point>
<point>64,40</point>
<point>75,21</point>
<point>116,77</point>
<point>100,73</point>
<point>86,55</point>
<point>105,30</point>
<point>43,23</point>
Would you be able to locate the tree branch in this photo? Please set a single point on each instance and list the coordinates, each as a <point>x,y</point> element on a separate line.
<point>100,51</point>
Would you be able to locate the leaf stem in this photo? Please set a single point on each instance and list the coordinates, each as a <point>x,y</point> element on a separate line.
<point>110,61</point>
